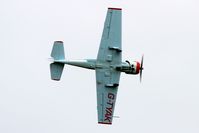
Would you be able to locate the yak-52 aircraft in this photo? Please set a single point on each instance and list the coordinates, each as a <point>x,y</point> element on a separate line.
<point>107,66</point>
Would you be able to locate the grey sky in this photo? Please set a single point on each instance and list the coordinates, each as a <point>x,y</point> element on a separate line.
<point>166,32</point>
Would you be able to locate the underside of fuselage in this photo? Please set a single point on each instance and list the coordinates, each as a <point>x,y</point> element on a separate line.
<point>127,67</point>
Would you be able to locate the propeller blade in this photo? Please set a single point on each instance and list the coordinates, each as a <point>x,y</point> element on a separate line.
<point>140,76</point>
<point>141,68</point>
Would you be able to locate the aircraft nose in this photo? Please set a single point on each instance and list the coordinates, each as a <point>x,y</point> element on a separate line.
<point>137,67</point>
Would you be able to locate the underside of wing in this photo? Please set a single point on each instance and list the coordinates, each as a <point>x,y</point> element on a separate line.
<point>110,46</point>
<point>107,83</point>
<point>109,55</point>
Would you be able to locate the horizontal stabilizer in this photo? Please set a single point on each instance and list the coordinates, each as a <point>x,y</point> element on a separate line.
<point>56,70</point>
<point>58,51</point>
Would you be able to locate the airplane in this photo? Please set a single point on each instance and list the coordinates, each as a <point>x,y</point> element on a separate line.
<point>107,66</point>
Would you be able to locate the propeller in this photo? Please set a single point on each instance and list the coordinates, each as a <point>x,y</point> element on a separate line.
<point>141,68</point>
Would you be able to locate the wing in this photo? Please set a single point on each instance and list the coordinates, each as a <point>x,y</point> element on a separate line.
<point>107,86</point>
<point>109,55</point>
<point>111,38</point>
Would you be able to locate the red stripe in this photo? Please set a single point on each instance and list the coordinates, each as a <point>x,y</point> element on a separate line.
<point>104,123</point>
<point>115,8</point>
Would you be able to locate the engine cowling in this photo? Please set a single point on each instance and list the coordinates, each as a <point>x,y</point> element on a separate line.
<point>133,68</point>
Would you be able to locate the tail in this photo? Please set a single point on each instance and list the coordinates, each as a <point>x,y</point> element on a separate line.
<point>57,54</point>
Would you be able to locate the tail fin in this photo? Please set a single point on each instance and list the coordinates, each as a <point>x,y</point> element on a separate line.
<point>56,70</point>
<point>57,53</point>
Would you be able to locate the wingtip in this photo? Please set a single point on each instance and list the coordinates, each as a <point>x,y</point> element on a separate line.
<point>112,8</point>
<point>105,123</point>
<point>55,79</point>
<point>58,42</point>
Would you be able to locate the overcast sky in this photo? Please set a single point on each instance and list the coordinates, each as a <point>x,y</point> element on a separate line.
<point>165,31</point>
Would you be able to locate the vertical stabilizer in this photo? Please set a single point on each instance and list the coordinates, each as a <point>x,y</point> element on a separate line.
<point>58,51</point>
